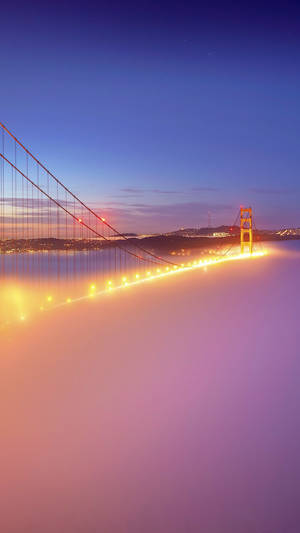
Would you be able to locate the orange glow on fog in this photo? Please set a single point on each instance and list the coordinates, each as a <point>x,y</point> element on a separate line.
<point>19,303</point>
<point>139,279</point>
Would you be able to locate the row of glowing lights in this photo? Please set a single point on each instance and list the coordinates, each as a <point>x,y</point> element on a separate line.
<point>150,275</point>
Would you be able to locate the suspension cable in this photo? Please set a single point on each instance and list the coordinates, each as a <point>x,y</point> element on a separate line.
<point>122,235</point>
<point>81,222</point>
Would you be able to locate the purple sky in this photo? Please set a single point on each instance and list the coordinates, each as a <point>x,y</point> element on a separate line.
<point>159,113</point>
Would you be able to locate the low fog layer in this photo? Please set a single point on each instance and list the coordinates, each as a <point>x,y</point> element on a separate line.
<point>172,407</point>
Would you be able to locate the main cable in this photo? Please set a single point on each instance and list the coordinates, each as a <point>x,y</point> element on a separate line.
<point>122,235</point>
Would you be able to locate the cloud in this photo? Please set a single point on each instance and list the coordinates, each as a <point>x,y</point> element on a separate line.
<point>142,217</point>
<point>205,189</point>
<point>136,191</point>
<point>258,190</point>
<point>184,208</point>
<point>159,191</point>
<point>132,190</point>
<point>24,203</point>
<point>139,205</point>
<point>125,216</point>
<point>39,204</point>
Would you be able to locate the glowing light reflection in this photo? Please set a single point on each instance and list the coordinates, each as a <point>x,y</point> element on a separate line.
<point>109,286</point>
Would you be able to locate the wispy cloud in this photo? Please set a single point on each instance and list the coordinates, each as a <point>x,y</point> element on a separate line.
<point>131,192</point>
<point>205,189</point>
<point>136,191</point>
<point>143,217</point>
<point>24,203</point>
<point>261,190</point>
<point>160,191</point>
<point>136,216</point>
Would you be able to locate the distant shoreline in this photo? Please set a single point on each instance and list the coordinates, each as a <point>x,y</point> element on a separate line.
<point>171,244</point>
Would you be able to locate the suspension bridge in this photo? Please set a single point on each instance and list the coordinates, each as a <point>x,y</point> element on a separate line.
<point>51,240</point>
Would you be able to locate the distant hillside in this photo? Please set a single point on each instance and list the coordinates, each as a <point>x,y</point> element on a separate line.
<point>189,232</point>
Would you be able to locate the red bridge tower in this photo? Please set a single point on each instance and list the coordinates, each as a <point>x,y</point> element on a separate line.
<point>246,230</point>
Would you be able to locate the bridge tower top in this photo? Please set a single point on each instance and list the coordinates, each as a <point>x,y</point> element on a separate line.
<point>246,230</point>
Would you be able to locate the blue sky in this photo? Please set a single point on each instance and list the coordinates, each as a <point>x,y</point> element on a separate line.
<point>160,113</point>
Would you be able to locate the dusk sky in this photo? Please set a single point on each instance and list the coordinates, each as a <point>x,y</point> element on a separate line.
<point>160,112</point>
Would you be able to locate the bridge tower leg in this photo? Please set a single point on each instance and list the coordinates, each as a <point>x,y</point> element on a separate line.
<point>246,229</point>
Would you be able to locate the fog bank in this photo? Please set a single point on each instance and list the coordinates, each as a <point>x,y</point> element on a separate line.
<point>170,407</point>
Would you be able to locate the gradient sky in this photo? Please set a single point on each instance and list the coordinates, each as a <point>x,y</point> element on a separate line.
<point>160,112</point>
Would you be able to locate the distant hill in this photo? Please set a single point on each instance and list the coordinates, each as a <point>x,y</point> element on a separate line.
<point>190,232</point>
